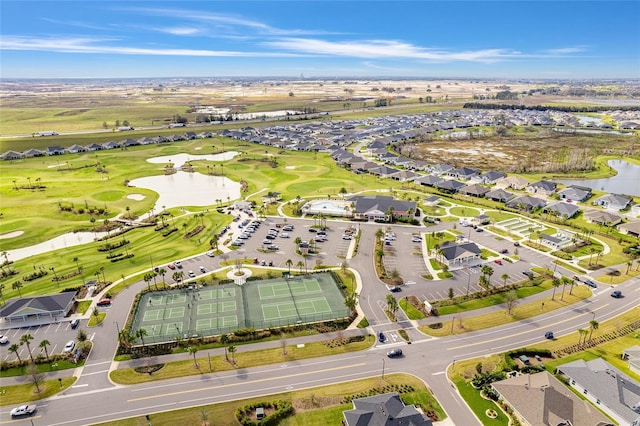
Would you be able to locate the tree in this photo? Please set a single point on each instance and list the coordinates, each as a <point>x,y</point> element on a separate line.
<point>43,345</point>
<point>15,348</point>
<point>147,279</point>
<point>24,340</point>
<point>451,294</point>
<point>555,283</point>
<point>81,335</point>
<point>140,333</point>
<point>288,263</point>
<point>351,301</point>
<point>224,339</point>
<point>36,376</point>
<point>300,265</point>
<point>581,332</point>
<point>593,325</point>
<point>232,351</point>
<point>162,273</point>
<point>177,276</point>
<point>510,300</point>
<point>392,306</point>
<point>192,351</point>
<point>17,285</point>
<point>504,277</point>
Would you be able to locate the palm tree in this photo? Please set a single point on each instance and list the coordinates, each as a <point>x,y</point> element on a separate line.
<point>44,345</point>
<point>593,325</point>
<point>232,351</point>
<point>351,301</point>
<point>140,333</point>
<point>300,265</point>
<point>15,348</point>
<point>565,281</point>
<point>162,273</point>
<point>176,276</point>
<point>192,351</point>
<point>24,340</point>
<point>17,285</point>
<point>581,332</point>
<point>504,277</point>
<point>147,279</point>
<point>224,339</point>
<point>555,283</point>
<point>289,262</point>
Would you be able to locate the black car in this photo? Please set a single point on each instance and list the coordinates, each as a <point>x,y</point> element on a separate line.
<point>516,244</point>
<point>528,273</point>
<point>75,323</point>
<point>394,353</point>
<point>617,294</point>
<point>381,337</point>
<point>395,289</point>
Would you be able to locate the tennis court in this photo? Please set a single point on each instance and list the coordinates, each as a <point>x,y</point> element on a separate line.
<point>198,311</point>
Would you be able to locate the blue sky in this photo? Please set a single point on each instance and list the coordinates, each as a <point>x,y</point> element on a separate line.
<point>504,39</point>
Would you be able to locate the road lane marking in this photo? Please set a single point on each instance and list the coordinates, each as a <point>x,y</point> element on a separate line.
<point>244,383</point>
<point>521,333</point>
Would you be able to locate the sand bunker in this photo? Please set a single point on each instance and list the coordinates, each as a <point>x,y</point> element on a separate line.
<point>136,197</point>
<point>290,167</point>
<point>12,234</point>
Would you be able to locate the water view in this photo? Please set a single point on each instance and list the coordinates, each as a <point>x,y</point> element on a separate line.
<point>625,182</point>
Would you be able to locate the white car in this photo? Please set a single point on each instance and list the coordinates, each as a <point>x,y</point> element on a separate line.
<point>3,339</point>
<point>284,235</point>
<point>210,254</point>
<point>23,410</point>
<point>69,346</point>
<point>416,239</point>
<point>192,274</point>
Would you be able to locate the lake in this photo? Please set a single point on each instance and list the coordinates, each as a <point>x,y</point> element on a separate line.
<point>627,181</point>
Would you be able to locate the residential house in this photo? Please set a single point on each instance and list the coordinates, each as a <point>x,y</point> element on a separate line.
<point>513,182</point>
<point>457,255</point>
<point>383,171</point>
<point>94,147</point>
<point>441,169</point>
<point>379,208</point>
<point>429,180</point>
<point>489,178</point>
<point>481,219</point>
<point>602,217</point>
<point>404,176</point>
<point>431,201</point>
<point>575,193</point>
<point>474,190</point>
<point>74,149</point>
<point>542,187</point>
<point>630,228</point>
<point>33,153</point>
<point>542,400</point>
<point>527,203</point>
<point>605,386</point>
<point>11,155</point>
<point>562,209</point>
<point>55,150</point>
<point>499,195</point>
<point>613,201</point>
<point>450,186</point>
<point>52,307</point>
<point>464,173</point>
<point>384,410</point>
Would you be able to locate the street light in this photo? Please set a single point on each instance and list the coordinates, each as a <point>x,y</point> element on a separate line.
<point>383,368</point>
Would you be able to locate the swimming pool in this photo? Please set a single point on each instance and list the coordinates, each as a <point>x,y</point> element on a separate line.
<point>328,207</point>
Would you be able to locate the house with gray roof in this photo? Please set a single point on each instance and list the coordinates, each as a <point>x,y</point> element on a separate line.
<point>464,173</point>
<point>542,187</point>
<point>489,177</point>
<point>574,193</point>
<point>441,168</point>
<point>613,201</point>
<point>500,195</point>
<point>474,190</point>
<point>514,182</point>
<point>562,209</point>
<point>384,410</point>
<point>457,255</point>
<point>383,171</point>
<point>451,186</point>
<point>605,386</point>
<point>632,356</point>
<point>542,400</point>
<point>602,217</point>
<point>404,176</point>
<point>53,307</point>
<point>429,180</point>
<point>527,202</point>
<point>377,207</point>
<point>630,228</point>
<point>11,155</point>
<point>55,150</point>
<point>34,153</point>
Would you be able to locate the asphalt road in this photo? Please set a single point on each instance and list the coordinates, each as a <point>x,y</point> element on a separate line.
<point>93,398</point>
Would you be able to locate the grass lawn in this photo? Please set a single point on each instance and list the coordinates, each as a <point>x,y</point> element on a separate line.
<point>464,211</point>
<point>20,394</point>
<point>411,312</point>
<point>519,313</point>
<point>45,367</point>
<point>317,406</point>
<point>96,319</point>
<point>128,376</point>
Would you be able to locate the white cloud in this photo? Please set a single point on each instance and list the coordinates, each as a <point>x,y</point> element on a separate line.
<point>180,31</point>
<point>566,50</point>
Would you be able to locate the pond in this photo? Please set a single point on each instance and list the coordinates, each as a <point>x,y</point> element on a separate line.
<point>625,182</point>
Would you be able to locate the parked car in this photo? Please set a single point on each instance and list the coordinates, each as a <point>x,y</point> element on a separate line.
<point>23,410</point>
<point>503,251</point>
<point>69,346</point>
<point>416,239</point>
<point>516,244</point>
<point>346,237</point>
<point>104,302</point>
<point>616,293</point>
<point>273,247</point>
<point>75,323</point>
<point>210,254</point>
<point>395,289</point>
<point>381,337</point>
<point>548,335</point>
<point>394,353</point>
<point>202,269</point>
<point>287,228</point>
<point>171,266</point>
<point>192,274</point>
<point>3,339</point>
<point>498,261</point>
<point>528,273</point>
<point>284,235</point>
<point>178,264</point>
<point>478,229</point>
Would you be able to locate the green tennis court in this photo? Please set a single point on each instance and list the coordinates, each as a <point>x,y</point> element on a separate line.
<point>199,311</point>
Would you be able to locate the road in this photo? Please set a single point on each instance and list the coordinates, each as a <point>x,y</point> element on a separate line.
<point>426,357</point>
